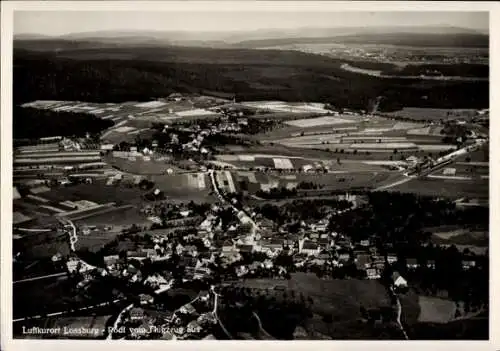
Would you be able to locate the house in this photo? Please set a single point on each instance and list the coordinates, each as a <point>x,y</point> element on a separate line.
<point>398,281</point>
<point>191,249</point>
<point>188,309</point>
<point>378,261</point>
<point>365,243</point>
<point>146,299</point>
<point>468,264</point>
<point>270,247</point>
<point>309,248</point>
<point>412,263</point>
<point>363,261</point>
<point>138,255</point>
<point>324,243</point>
<point>241,270</point>
<point>149,252</point>
<point>344,256</point>
<point>245,248</point>
<point>227,246</point>
<point>111,260</point>
<point>155,280</point>
<point>268,264</point>
<point>391,258</point>
<point>231,256</point>
<point>372,273</point>
<point>137,314</point>
<point>194,328</point>
<point>254,266</point>
<point>324,255</point>
<point>431,264</point>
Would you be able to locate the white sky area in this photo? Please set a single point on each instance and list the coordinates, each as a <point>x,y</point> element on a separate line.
<point>65,22</point>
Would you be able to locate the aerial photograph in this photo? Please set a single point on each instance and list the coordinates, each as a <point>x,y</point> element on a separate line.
<point>236,175</point>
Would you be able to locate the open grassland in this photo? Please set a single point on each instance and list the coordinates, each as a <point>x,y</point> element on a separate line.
<point>338,300</point>
<point>436,310</point>
<point>342,298</point>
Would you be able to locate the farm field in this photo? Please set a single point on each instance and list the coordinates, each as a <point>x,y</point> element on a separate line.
<point>419,114</point>
<point>465,170</point>
<point>44,246</point>
<point>340,180</point>
<point>185,187</point>
<point>139,166</point>
<point>462,237</point>
<point>96,240</point>
<point>97,192</point>
<point>319,121</point>
<point>116,216</point>
<point>452,189</point>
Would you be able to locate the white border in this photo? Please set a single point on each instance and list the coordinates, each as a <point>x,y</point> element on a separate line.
<point>7,8</point>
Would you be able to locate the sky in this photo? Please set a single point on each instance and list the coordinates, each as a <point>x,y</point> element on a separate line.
<point>65,22</point>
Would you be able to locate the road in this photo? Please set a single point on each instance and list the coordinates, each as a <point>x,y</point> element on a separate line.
<point>119,319</point>
<point>40,277</point>
<point>224,201</point>
<point>399,312</point>
<point>73,238</point>
<point>212,288</point>
<point>265,334</point>
<point>444,161</point>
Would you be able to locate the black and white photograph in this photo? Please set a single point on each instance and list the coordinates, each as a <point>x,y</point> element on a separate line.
<point>277,174</point>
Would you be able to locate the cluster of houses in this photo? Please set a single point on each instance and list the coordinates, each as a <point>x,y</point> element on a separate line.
<point>192,320</point>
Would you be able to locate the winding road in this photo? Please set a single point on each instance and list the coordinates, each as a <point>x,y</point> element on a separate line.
<point>265,334</point>
<point>212,289</point>
<point>399,312</point>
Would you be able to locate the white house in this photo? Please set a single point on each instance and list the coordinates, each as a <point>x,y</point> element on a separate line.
<point>309,247</point>
<point>399,281</point>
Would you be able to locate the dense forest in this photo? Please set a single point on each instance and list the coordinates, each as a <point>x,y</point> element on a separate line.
<point>453,70</point>
<point>143,74</point>
<point>33,123</point>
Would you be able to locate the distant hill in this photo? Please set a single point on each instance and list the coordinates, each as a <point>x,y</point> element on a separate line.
<point>404,39</point>
<point>418,36</point>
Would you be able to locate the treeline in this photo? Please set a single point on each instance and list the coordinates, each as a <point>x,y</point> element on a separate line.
<point>435,94</point>
<point>33,123</point>
<point>396,217</point>
<point>457,70</point>
<point>89,77</point>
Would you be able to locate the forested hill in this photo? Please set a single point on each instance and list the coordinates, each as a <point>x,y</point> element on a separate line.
<point>141,74</point>
<point>31,123</point>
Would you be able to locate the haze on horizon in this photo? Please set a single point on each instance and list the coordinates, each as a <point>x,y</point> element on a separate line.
<point>55,23</point>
